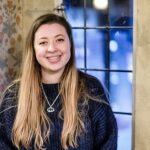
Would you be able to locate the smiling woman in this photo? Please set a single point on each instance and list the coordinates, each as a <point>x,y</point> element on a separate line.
<point>53,105</point>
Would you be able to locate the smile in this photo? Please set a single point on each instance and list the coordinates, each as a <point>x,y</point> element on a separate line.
<point>54,59</point>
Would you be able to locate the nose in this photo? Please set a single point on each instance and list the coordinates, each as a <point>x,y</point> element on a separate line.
<point>51,47</point>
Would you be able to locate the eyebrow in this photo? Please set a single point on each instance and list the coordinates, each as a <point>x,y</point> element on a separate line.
<point>59,35</point>
<point>55,36</point>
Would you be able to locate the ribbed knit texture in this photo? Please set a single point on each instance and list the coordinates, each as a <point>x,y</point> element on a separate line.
<point>100,123</point>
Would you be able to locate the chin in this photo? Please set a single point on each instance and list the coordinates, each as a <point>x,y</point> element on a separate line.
<point>56,69</point>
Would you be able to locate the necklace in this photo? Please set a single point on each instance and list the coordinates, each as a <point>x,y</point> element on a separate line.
<point>50,108</point>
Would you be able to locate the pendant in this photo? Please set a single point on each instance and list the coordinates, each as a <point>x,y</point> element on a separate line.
<point>50,109</point>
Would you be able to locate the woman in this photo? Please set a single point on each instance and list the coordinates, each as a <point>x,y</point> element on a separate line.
<point>52,105</point>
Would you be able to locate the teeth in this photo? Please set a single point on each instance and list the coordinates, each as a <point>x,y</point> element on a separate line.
<point>54,58</point>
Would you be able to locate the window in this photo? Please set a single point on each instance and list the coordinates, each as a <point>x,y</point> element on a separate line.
<point>103,38</point>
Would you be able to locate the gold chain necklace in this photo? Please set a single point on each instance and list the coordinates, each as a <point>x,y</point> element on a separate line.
<point>50,108</point>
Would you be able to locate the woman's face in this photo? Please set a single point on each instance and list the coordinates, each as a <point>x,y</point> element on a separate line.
<point>52,48</point>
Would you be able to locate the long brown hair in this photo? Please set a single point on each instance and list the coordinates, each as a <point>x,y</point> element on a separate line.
<point>31,119</point>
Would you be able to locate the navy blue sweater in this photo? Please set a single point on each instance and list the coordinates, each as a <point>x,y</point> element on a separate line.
<point>100,123</point>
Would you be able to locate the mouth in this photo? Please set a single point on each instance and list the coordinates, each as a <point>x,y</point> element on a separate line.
<point>54,59</point>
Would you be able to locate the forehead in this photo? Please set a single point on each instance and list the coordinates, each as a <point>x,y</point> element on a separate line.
<point>50,30</point>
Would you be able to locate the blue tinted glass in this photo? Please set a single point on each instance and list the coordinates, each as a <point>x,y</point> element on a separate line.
<point>99,75</point>
<point>78,36</point>
<point>121,12</point>
<point>124,131</point>
<point>121,91</point>
<point>121,49</point>
<point>95,48</point>
<point>96,13</point>
<point>74,12</point>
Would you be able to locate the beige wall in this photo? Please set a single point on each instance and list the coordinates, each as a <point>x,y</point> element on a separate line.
<point>142,75</point>
<point>34,8</point>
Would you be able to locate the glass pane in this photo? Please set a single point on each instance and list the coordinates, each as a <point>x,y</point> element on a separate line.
<point>121,12</point>
<point>96,48</point>
<point>96,13</point>
<point>78,36</point>
<point>121,91</point>
<point>124,131</point>
<point>99,75</point>
<point>121,49</point>
<point>74,11</point>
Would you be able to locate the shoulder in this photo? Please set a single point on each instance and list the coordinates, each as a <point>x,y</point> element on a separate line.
<point>101,114</point>
<point>97,91</point>
<point>11,91</point>
<point>100,106</point>
<point>9,97</point>
<point>8,108</point>
<point>104,126</point>
<point>94,86</point>
<point>99,110</point>
<point>90,81</point>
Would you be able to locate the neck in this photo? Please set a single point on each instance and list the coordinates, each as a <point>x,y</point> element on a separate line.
<point>51,77</point>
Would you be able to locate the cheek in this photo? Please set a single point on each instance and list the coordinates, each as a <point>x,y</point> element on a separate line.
<point>67,54</point>
<point>39,53</point>
<point>68,51</point>
<point>39,58</point>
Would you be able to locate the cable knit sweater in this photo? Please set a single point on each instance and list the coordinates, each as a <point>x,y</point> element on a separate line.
<point>100,123</point>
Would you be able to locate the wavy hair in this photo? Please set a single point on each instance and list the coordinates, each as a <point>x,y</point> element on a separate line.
<point>31,120</point>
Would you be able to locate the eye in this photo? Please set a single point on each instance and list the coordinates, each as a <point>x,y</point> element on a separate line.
<point>43,43</point>
<point>60,40</point>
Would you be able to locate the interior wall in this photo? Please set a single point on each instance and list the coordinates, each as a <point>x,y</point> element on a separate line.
<point>142,75</point>
<point>32,9</point>
<point>10,40</point>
